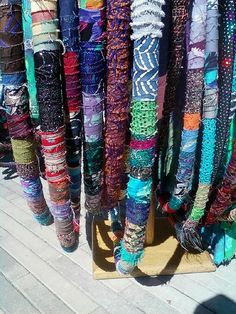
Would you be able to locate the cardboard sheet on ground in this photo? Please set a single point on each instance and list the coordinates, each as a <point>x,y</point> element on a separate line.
<point>164,257</point>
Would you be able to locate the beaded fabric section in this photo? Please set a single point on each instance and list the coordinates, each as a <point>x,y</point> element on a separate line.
<point>225,77</point>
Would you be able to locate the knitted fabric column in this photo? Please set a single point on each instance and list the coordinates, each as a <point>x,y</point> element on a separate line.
<point>47,58</point>
<point>192,107</point>
<point>92,67</point>
<point>69,25</point>
<point>227,51</point>
<point>118,97</point>
<point>16,105</point>
<point>209,120</point>
<point>146,25</point>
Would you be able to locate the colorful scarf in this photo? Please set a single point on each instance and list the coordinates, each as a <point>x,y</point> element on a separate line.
<point>209,117</point>
<point>92,68</point>
<point>69,24</point>
<point>192,107</point>
<point>179,13</point>
<point>227,52</point>
<point>48,69</point>
<point>16,105</point>
<point>146,25</point>
<point>118,98</point>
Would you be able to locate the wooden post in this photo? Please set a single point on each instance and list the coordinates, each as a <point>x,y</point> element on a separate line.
<point>150,231</point>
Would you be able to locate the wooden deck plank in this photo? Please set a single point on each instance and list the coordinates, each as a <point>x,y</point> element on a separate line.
<point>73,297</point>
<point>147,303</point>
<point>12,301</point>
<point>216,284</point>
<point>100,310</point>
<point>177,299</point>
<point>48,234</point>
<point>11,269</point>
<point>165,256</point>
<point>194,290</point>
<point>227,272</point>
<point>42,298</point>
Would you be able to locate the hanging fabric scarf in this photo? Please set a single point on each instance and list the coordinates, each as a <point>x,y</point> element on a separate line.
<point>47,59</point>
<point>92,67</point>
<point>118,98</point>
<point>146,25</point>
<point>209,120</point>
<point>229,141</point>
<point>16,105</point>
<point>227,38</point>
<point>179,13</point>
<point>117,111</point>
<point>69,24</point>
<point>192,108</point>
<point>223,198</point>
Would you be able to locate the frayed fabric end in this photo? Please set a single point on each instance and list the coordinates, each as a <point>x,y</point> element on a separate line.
<point>130,258</point>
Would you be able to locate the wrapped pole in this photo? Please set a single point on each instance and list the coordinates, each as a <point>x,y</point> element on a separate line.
<point>48,72</point>
<point>92,67</point>
<point>192,107</point>
<point>69,26</point>
<point>146,25</point>
<point>16,105</point>
<point>209,121</point>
